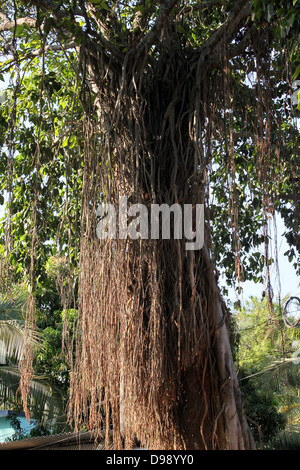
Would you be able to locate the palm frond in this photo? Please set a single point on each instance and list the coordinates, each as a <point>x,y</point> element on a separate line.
<point>285,441</point>
<point>44,400</point>
<point>11,341</point>
<point>292,411</point>
<point>9,383</point>
<point>12,308</point>
<point>12,329</point>
<point>278,372</point>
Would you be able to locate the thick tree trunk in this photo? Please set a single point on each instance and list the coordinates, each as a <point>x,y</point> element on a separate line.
<point>207,413</point>
<point>215,419</point>
<point>155,312</point>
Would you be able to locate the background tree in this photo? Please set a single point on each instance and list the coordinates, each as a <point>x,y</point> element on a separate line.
<point>45,398</point>
<point>164,102</point>
<point>268,370</point>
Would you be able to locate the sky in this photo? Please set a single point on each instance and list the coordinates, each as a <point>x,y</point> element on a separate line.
<point>288,283</point>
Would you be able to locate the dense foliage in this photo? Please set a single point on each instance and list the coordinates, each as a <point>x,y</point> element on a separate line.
<point>46,92</point>
<point>268,369</point>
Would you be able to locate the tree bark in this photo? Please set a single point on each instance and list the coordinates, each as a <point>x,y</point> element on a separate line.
<point>211,410</point>
<point>177,369</point>
<point>153,338</point>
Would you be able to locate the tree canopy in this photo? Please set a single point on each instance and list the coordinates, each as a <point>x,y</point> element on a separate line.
<point>42,45</point>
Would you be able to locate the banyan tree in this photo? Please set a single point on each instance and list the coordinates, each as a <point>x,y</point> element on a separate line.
<point>162,102</point>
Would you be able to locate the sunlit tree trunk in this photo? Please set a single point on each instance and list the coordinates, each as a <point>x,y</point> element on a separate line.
<point>212,414</point>
<point>166,367</point>
<point>153,355</point>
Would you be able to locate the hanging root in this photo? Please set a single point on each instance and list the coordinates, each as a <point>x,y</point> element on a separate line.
<point>153,356</point>
<point>153,359</point>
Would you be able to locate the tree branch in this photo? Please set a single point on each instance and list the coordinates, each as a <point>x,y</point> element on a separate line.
<point>240,12</point>
<point>200,6</point>
<point>9,25</point>
<point>234,51</point>
<point>48,5</point>
<point>152,35</point>
<point>51,48</point>
<point>210,52</point>
<point>38,52</point>
<point>62,14</point>
<point>4,16</point>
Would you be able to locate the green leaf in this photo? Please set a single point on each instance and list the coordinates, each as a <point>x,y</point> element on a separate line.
<point>65,142</point>
<point>297,72</point>
<point>270,11</point>
<point>180,29</point>
<point>101,3</point>
<point>291,19</point>
<point>140,8</point>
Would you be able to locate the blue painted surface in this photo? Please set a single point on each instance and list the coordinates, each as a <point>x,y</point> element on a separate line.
<point>6,431</point>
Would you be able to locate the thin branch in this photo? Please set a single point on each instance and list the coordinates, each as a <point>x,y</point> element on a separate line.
<point>200,6</point>
<point>234,51</point>
<point>52,48</point>
<point>38,52</point>
<point>4,16</point>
